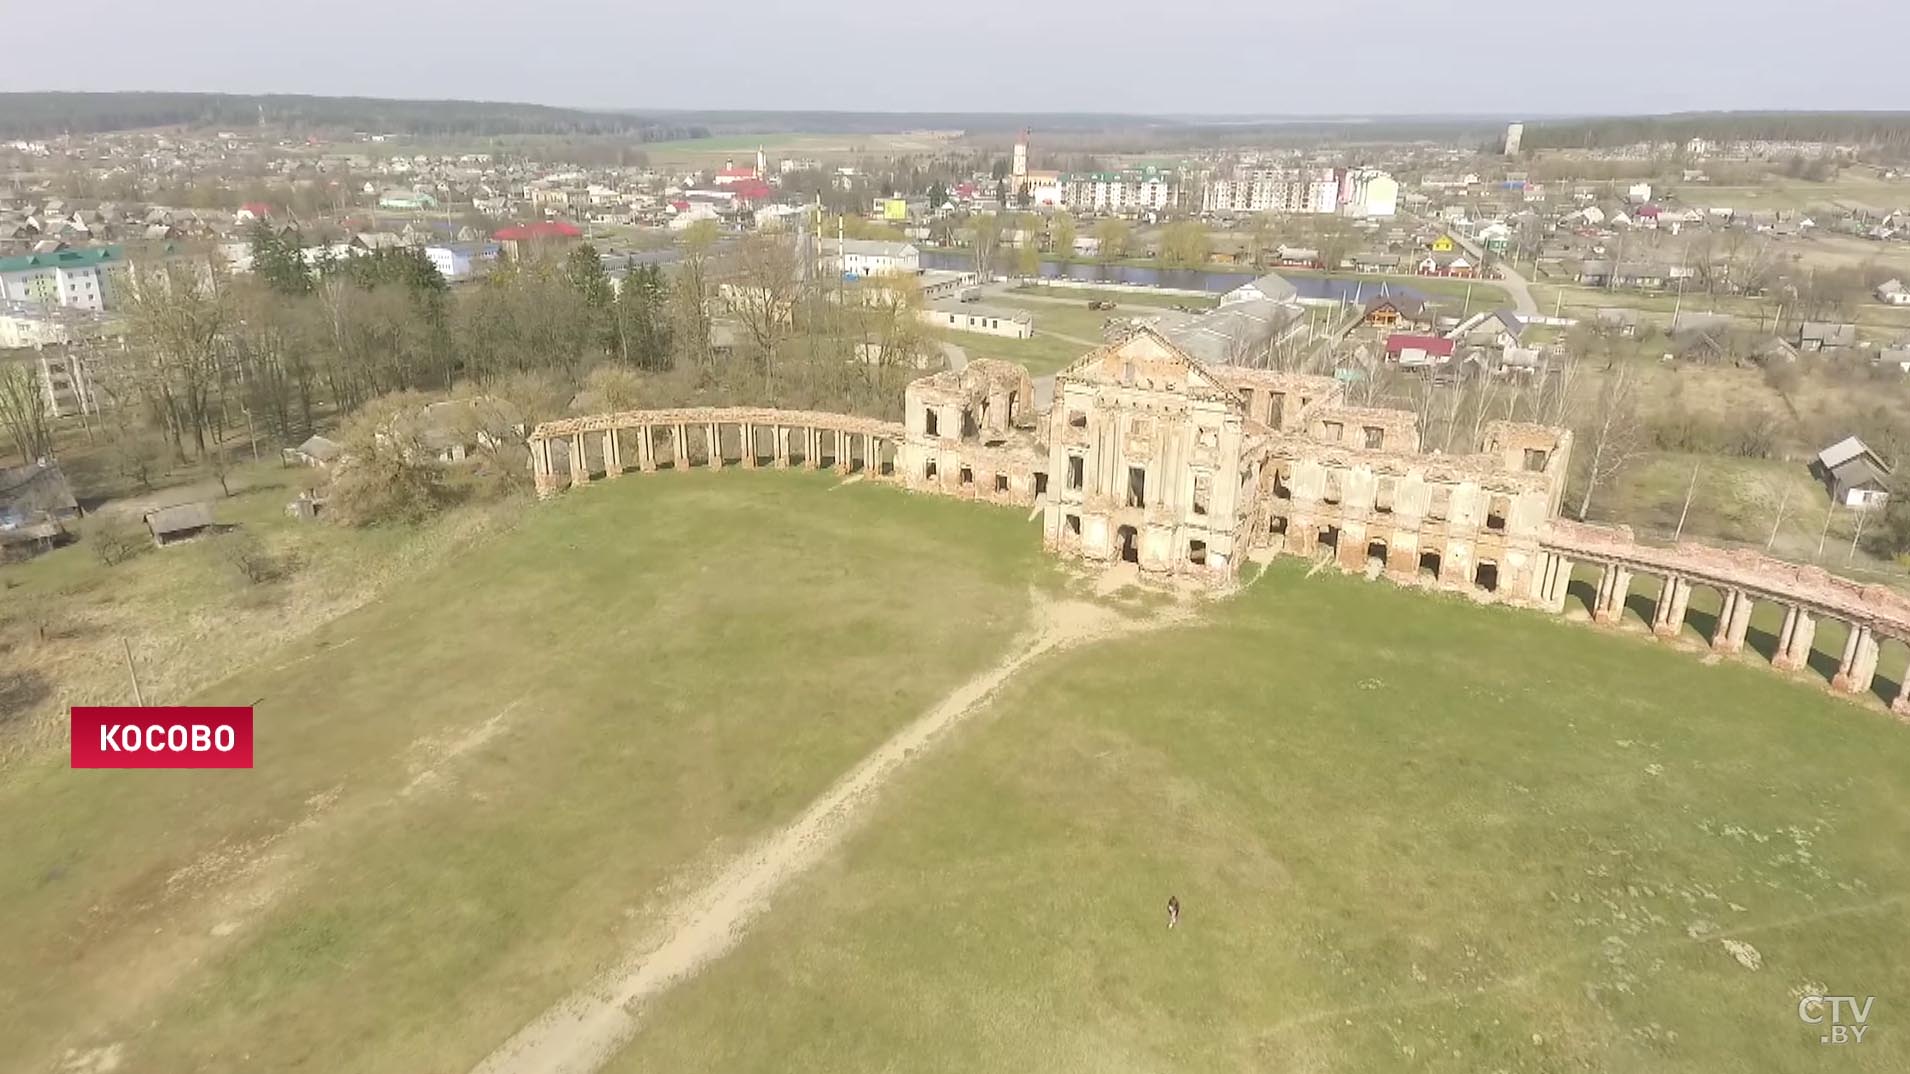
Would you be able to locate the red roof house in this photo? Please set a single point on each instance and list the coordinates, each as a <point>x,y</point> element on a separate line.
<point>1432,346</point>
<point>539,229</point>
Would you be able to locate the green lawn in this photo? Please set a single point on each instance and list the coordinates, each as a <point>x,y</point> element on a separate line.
<point>472,793</point>
<point>1042,354</point>
<point>1408,834</point>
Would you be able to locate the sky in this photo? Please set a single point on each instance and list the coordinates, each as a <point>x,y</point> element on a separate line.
<point>1248,57</point>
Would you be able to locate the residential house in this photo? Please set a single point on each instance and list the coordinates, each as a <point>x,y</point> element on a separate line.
<point>1418,351</point>
<point>1814,336</point>
<point>969,317</point>
<point>1893,293</point>
<point>1854,474</point>
<point>36,509</point>
<point>1387,311</point>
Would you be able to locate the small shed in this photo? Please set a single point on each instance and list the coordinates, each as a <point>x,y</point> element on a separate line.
<point>315,451</point>
<point>1854,474</point>
<point>181,522</point>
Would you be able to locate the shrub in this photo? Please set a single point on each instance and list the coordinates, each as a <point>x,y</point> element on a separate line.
<point>115,539</point>
<point>249,559</point>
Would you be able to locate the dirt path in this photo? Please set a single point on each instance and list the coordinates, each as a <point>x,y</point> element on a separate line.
<point>585,1030</point>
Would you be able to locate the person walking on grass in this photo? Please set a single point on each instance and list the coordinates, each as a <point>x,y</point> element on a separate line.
<point>1173,911</point>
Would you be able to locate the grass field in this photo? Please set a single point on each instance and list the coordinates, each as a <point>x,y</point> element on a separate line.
<point>469,793</point>
<point>1409,832</point>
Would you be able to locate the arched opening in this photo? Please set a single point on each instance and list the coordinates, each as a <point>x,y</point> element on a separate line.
<point>1129,544</point>
<point>1486,576</point>
<point>1376,554</point>
<point>1429,565</point>
<point>932,424</point>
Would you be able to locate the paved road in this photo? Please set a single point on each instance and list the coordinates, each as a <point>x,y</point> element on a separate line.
<point>1515,285</point>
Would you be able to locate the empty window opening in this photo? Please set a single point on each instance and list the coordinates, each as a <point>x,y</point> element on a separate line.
<point>1486,577</point>
<point>1078,419</point>
<point>1429,564</point>
<point>967,476</point>
<point>1041,484</point>
<point>1203,491</point>
<point>1329,537</point>
<point>1331,430</point>
<point>1136,487</point>
<point>1127,372</point>
<point>1129,544</point>
<point>932,424</point>
<point>1535,459</point>
<point>1001,482</point>
<point>1281,490</point>
<point>1277,524</point>
<point>1076,469</point>
<point>928,471</point>
<point>1331,493</point>
<point>1375,437</point>
<point>1073,523</point>
<point>1376,552</point>
<point>969,428</point>
<point>1383,495</point>
<point>1279,409</point>
<point>1496,513</point>
<point>1197,553</point>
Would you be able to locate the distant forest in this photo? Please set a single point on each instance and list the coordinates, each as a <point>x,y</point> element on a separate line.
<point>41,115</point>
<point>1888,130</point>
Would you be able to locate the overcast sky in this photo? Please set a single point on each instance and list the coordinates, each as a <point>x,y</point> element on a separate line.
<point>1245,57</point>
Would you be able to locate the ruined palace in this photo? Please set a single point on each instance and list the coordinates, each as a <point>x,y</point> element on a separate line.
<point>1147,456</point>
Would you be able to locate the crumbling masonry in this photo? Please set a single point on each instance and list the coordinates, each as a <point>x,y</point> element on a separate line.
<point>1149,457</point>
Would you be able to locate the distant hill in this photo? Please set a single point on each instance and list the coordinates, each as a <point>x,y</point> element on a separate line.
<point>1849,128</point>
<point>40,115</point>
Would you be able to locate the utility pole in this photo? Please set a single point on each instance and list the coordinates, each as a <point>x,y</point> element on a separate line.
<point>1772,543</point>
<point>1825,534</point>
<point>1686,511</point>
<point>139,698</point>
<point>1852,554</point>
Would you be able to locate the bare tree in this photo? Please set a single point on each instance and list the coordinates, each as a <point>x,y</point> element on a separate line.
<point>1612,433</point>
<point>762,294</point>
<point>23,410</point>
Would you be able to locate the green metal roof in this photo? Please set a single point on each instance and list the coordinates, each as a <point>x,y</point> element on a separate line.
<point>76,258</point>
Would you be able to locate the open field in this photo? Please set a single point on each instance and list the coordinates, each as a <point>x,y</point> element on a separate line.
<point>1408,834</point>
<point>1852,188</point>
<point>1409,831</point>
<point>1043,354</point>
<point>711,152</point>
<point>1877,320</point>
<point>472,793</point>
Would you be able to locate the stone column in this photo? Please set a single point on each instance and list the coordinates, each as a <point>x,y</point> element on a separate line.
<point>1741,609</point>
<point>748,432</point>
<point>782,448</point>
<point>1721,632</point>
<point>842,452</point>
<point>812,449</point>
<point>679,448</point>
<point>1860,665</point>
<point>1561,584</point>
<point>1612,591</point>
<point>1668,617</point>
<point>613,454</point>
<point>713,434</point>
<point>541,476</point>
<point>647,449</point>
<point>1794,651</point>
<point>579,462</point>
<point>1901,706</point>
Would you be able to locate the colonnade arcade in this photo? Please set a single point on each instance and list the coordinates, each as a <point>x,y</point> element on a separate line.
<point>1742,580</point>
<point>576,451</point>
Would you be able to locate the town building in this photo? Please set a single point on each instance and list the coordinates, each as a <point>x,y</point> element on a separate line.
<point>77,277</point>
<point>870,257</point>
